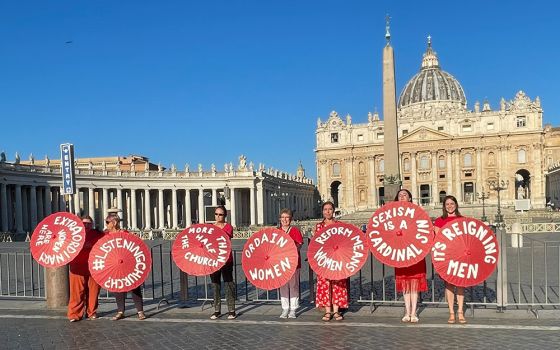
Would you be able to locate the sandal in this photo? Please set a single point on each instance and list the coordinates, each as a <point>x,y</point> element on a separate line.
<point>451,318</point>
<point>406,318</point>
<point>327,316</point>
<point>461,318</point>
<point>414,319</point>
<point>118,316</point>
<point>93,317</point>
<point>141,315</point>
<point>338,316</point>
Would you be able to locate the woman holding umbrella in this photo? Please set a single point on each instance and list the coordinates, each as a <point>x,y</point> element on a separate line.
<point>289,293</point>
<point>226,272</point>
<point>451,212</point>
<point>331,294</point>
<point>112,223</point>
<point>411,279</point>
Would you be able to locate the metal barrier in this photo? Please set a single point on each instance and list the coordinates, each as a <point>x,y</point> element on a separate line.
<point>21,276</point>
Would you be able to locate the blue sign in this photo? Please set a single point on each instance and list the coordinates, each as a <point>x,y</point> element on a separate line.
<point>67,166</point>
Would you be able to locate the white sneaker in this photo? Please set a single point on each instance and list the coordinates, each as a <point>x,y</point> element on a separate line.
<point>292,314</point>
<point>284,314</point>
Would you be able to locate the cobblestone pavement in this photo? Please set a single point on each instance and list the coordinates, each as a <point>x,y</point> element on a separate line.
<point>53,331</point>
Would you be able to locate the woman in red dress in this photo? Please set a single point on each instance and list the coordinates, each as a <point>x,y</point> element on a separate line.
<point>451,212</point>
<point>411,279</point>
<point>331,294</point>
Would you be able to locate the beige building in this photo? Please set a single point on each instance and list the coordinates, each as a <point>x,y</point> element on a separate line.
<point>445,148</point>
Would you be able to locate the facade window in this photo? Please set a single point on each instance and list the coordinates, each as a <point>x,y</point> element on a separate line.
<point>521,156</point>
<point>424,162</point>
<point>334,137</point>
<point>336,169</point>
<point>405,131</point>
<point>360,137</point>
<point>441,162</point>
<point>467,160</point>
<point>382,165</point>
<point>521,122</point>
<point>440,128</point>
<point>467,128</point>
<point>380,136</point>
<point>406,164</point>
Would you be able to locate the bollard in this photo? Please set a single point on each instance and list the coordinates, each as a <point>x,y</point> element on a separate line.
<point>516,235</point>
<point>57,286</point>
<point>184,289</point>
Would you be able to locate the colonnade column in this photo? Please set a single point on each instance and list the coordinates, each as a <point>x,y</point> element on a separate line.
<point>201,218</point>
<point>48,200</point>
<point>3,208</point>
<point>105,203</point>
<point>33,207</point>
<point>120,203</point>
<point>40,204</point>
<point>174,208</point>
<point>233,218</point>
<point>147,210</point>
<point>214,197</point>
<point>260,204</point>
<point>252,204</point>
<point>19,210</point>
<point>188,217</point>
<point>76,202</point>
<point>91,203</point>
<point>161,217</point>
<point>413,180</point>
<point>133,210</point>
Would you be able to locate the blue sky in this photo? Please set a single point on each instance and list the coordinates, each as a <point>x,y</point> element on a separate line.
<point>205,81</point>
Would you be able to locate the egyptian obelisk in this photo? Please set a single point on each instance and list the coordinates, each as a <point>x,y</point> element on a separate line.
<point>392,178</point>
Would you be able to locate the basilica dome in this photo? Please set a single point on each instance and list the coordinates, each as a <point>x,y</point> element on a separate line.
<point>432,84</point>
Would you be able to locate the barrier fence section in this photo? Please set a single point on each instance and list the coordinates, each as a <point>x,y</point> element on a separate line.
<point>527,276</point>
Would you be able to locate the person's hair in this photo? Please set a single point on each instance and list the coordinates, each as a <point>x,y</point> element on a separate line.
<point>115,219</point>
<point>405,190</point>
<point>327,203</point>
<point>87,217</point>
<point>457,213</point>
<point>223,208</point>
<point>287,211</point>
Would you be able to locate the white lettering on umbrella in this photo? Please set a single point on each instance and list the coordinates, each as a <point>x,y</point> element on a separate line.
<point>334,231</point>
<point>357,249</point>
<point>459,228</point>
<point>272,272</point>
<point>388,214</point>
<point>456,268</point>
<point>274,239</point>
<point>201,260</point>
<point>324,261</point>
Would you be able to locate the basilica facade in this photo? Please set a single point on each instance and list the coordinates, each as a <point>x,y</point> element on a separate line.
<point>444,147</point>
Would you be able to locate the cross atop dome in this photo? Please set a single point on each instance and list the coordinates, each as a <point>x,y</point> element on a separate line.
<point>430,59</point>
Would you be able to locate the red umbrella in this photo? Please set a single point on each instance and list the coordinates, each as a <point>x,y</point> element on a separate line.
<point>465,252</point>
<point>201,249</point>
<point>337,251</point>
<point>120,261</point>
<point>58,239</point>
<point>270,258</point>
<point>400,234</point>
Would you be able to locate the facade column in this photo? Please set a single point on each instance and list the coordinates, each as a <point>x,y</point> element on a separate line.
<point>3,208</point>
<point>133,210</point>
<point>33,207</point>
<point>479,181</point>
<point>413,179</point>
<point>161,212</point>
<point>105,204</point>
<point>435,196</point>
<point>260,204</point>
<point>372,183</point>
<point>449,172</point>
<point>91,203</point>
<point>214,197</point>
<point>48,200</point>
<point>458,192</point>
<point>232,209</point>
<point>174,208</point>
<point>147,210</point>
<point>323,164</point>
<point>201,218</point>
<point>188,216</point>
<point>349,187</point>
<point>19,210</point>
<point>252,204</point>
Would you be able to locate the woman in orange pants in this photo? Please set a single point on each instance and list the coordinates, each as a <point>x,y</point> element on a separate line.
<point>84,291</point>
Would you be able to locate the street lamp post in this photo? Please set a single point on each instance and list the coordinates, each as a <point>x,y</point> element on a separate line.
<point>498,186</point>
<point>483,196</point>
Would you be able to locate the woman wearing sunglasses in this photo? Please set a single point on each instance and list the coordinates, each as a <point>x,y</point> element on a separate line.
<point>226,272</point>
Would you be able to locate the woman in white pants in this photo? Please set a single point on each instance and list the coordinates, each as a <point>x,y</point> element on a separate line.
<point>289,293</point>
